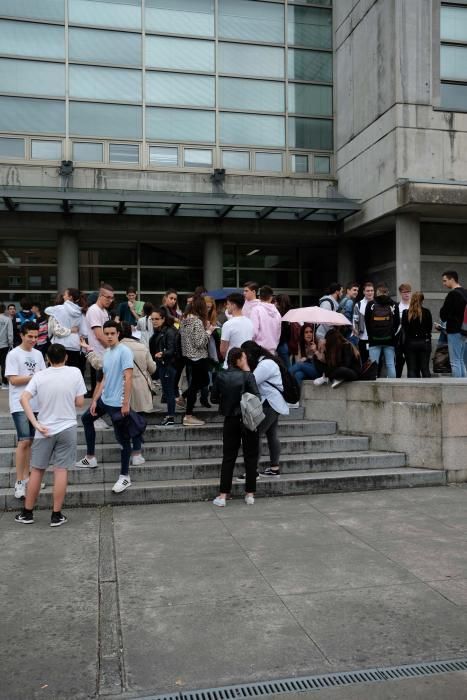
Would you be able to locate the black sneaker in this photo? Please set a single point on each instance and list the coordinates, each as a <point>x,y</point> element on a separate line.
<point>271,472</point>
<point>242,477</point>
<point>168,420</point>
<point>57,519</point>
<point>205,403</point>
<point>25,517</point>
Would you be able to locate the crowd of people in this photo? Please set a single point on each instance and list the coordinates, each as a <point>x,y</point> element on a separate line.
<point>224,349</point>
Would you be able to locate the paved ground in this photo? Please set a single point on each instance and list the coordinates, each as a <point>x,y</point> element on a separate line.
<point>133,601</point>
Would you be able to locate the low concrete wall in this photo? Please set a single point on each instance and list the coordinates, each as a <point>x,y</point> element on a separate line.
<point>425,418</point>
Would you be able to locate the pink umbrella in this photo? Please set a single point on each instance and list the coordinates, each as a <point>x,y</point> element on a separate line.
<point>317,315</point>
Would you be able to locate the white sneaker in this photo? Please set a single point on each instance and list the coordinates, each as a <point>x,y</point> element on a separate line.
<point>100,424</point>
<point>20,489</point>
<point>294,405</point>
<point>336,382</point>
<point>5,387</point>
<point>320,381</point>
<point>137,459</point>
<point>249,500</point>
<point>90,462</point>
<point>192,421</point>
<point>218,501</point>
<point>122,484</point>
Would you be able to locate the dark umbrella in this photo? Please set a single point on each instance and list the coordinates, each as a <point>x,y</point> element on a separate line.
<point>223,292</point>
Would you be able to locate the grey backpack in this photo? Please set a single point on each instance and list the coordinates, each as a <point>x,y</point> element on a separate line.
<point>252,410</point>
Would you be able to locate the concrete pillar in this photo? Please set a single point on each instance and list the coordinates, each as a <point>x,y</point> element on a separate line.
<point>408,250</point>
<point>67,260</point>
<point>213,261</point>
<point>346,262</point>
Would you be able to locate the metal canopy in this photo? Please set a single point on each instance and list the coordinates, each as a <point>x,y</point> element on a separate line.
<point>175,204</point>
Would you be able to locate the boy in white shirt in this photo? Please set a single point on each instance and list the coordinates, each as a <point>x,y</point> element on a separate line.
<point>58,391</point>
<point>238,329</point>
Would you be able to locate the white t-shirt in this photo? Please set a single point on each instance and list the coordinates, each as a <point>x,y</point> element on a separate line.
<point>95,316</point>
<point>22,363</point>
<point>236,331</point>
<point>55,391</point>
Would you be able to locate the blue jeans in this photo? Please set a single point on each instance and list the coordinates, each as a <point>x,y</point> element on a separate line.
<point>456,347</point>
<point>304,370</point>
<point>389,357</point>
<point>124,442</point>
<point>167,376</point>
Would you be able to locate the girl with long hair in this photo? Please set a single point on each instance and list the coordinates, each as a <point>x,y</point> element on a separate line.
<point>163,348</point>
<point>416,327</point>
<point>283,304</point>
<point>340,360</point>
<point>305,366</point>
<point>144,324</point>
<point>194,335</point>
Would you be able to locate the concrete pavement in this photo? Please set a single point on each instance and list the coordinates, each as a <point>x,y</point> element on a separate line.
<point>137,600</point>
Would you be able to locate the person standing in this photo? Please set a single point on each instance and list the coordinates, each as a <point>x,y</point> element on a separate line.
<point>43,326</point>
<point>359,320</point>
<point>58,390</point>
<point>250,291</point>
<point>6,342</point>
<point>130,310</point>
<point>67,324</point>
<point>21,364</point>
<point>417,324</point>
<point>405,292</point>
<point>330,302</point>
<point>24,314</point>
<point>266,321</point>
<point>237,330</point>
<point>452,312</point>
<point>382,322</point>
<point>144,325</point>
<point>346,307</point>
<point>163,348</point>
<point>194,336</point>
<point>283,304</point>
<point>96,316</point>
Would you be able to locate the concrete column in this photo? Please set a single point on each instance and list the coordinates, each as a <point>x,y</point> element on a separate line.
<point>67,260</point>
<point>408,250</point>
<point>346,262</point>
<point>213,261</point>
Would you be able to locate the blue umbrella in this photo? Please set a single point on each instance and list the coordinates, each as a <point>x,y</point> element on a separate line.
<point>223,292</point>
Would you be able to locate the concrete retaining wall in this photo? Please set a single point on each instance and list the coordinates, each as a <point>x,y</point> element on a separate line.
<point>425,418</point>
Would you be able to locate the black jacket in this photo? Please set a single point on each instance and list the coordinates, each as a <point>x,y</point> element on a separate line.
<point>452,311</point>
<point>164,341</point>
<point>416,329</point>
<point>229,387</point>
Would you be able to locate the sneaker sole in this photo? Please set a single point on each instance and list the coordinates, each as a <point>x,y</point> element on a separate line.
<point>121,490</point>
<point>24,522</point>
<point>62,522</point>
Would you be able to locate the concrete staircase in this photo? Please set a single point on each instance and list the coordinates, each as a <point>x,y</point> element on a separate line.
<point>183,464</point>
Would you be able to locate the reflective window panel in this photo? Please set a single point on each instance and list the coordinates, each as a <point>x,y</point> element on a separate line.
<point>262,95</point>
<point>327,3</point>
<point>310,26</point>
<point>100,46</point>
<point>32,77</point>
<point>164,278</point>
<point>454,96</point>
<point>31,116</point>
<point>299,164</point>
<point>270,162</point>
<point>179,89</point>
<point>117,277</point>
<point>11,148</point>
<point>310,133</point>
<point>163,156</point>
<point>46,150</point>
<point>88,152</point>
<point>322,165</point>
<point>120,14</point>
<point>310,99</point>
<point>180,124</point>
<point>32,39</point>
<point>181,54</point>
<point>197,158</point>
<point>242,59</point>
<point>160,254</point>
<point>105,120</point>
<point>100,83</point>
<point>454,23</point>
<point>454,62</point>
<point>254,129</point>
<point>236,160</point>
<point>310,65</point>
<point>251,20</point>
<point>267,257</point>
<point>45,9</point>
<point>180,17</point>
<point>124,153</point>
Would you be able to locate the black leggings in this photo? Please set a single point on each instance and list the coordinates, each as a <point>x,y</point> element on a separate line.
<point>199,378</point>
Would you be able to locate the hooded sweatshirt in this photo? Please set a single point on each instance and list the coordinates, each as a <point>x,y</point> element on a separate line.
<point>66,316</point>
<point>248,307</point>
<point>267,322</point>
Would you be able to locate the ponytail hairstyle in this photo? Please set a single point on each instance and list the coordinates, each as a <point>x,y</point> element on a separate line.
<point>254,352</point>
<point>415,306</point>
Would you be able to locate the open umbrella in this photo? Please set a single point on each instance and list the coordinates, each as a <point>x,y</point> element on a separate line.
<point>223,292</point>
<point>316,315</point>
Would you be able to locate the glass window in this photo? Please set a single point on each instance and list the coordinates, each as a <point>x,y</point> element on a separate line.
<point>105,83</point>
<point>454,62</point>
<point>32,39</point>
<point>45,9</point>
<point>124,153</point>
<point>454,96</point>
<point>88,152</point>
<point>267,257</point>
<point>230,278</point>
<point>32,77</point>
<point>255,129</point>
<point>180,124</point>
<point>197,158</point>
<point>163,155</point>
<point>99,46</point>
<point>114,121</point>
<point>310,133</point>
<point>11,148</point>
<point>242,59</point>
<point>251,20</point>
<point>180,17</point>
<point>322,165</point>
<point>310,65</point>
<point>278,279</point>
<point>182,54</point>
<point>236,160</point>
<point>299,164</point>
<point>32,116</point>
<point>454,23</point>
<point>310,26</point>
<point>262,95</point>
<point>118,277</point>
<point>271,162</point>
<point>114,254</point>
<point>161,279</point>
<point>183,254</point>
<point>46,150</point>
<point>310,99</point>
<point>106,13</point>
<point>179,89</point>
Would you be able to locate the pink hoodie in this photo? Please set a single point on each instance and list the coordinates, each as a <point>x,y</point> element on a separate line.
<point>248,307</point>
<point>266,325</point>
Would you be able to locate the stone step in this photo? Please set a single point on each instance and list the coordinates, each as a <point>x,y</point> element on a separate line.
<point>178,433</point>
<point>188,490</point>
<point>210,468</point>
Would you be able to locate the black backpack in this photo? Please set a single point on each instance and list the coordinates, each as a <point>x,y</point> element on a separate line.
<point>290,386</point>
<point>382,321</point>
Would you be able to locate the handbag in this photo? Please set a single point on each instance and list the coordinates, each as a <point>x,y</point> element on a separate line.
<point>368,371</point>
<point>147,378</point>
<point>132,425</point>
<point>252,410</point>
